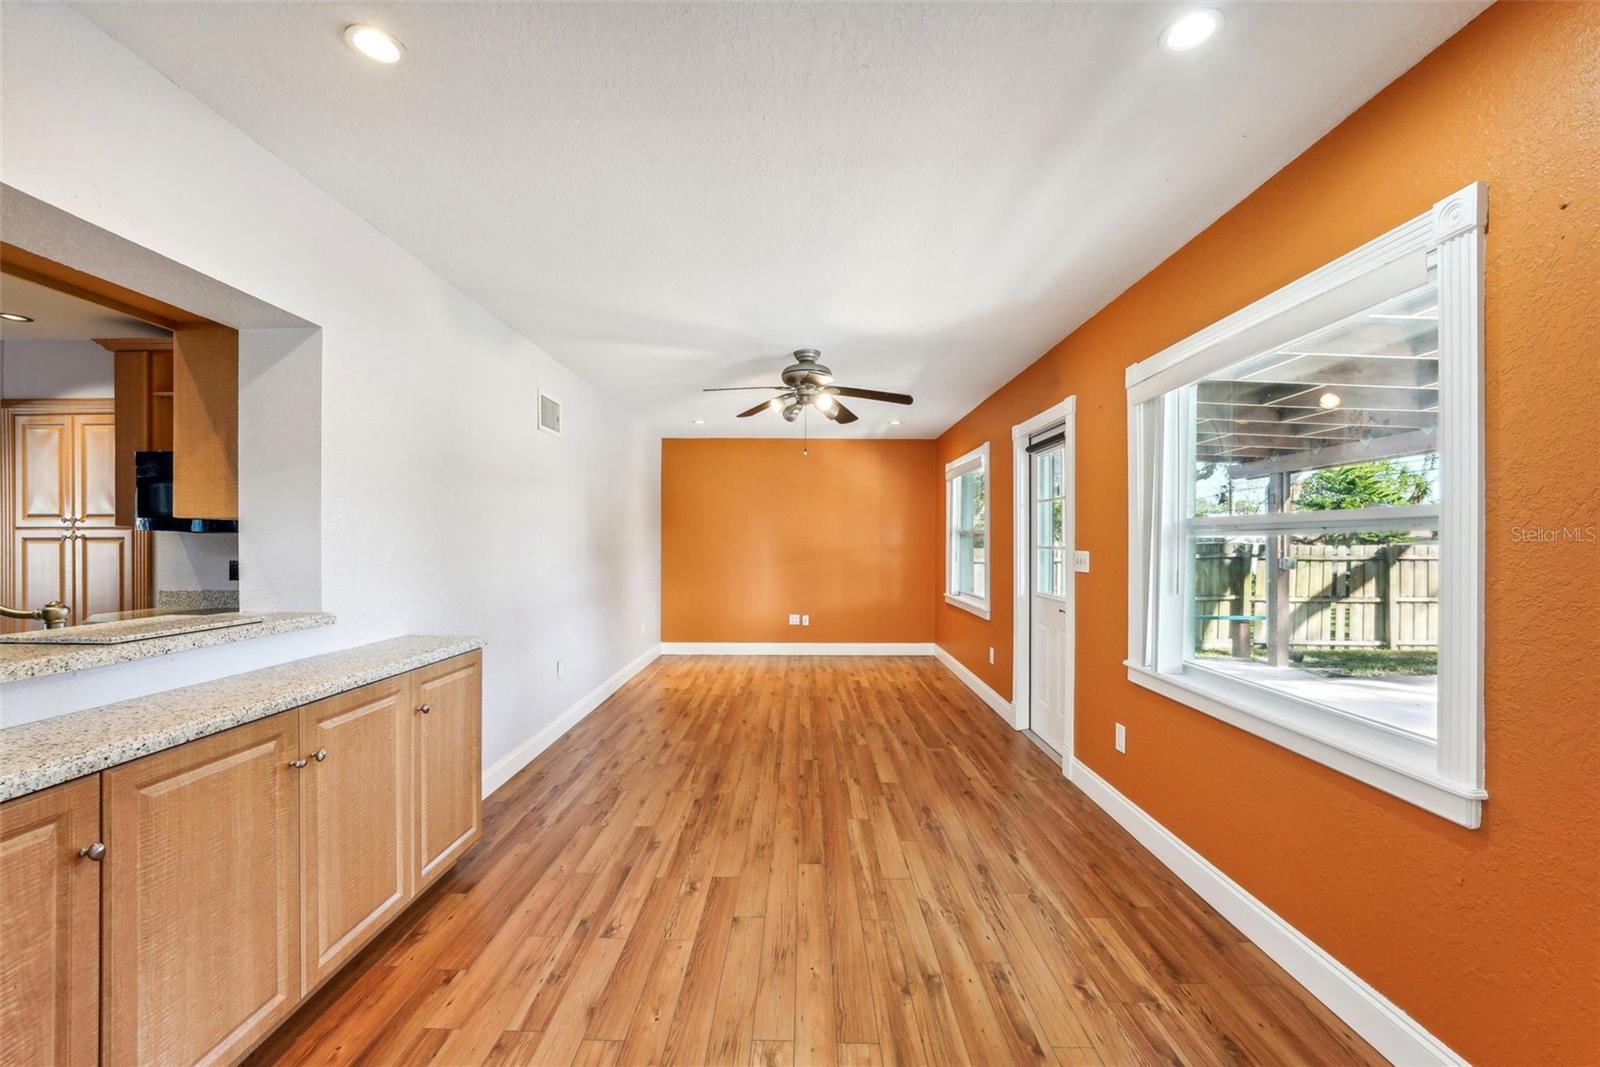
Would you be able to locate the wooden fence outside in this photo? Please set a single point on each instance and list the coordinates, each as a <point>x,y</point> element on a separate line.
<point>1340,596</point>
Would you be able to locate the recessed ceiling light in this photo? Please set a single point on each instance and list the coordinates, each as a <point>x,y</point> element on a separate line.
<point>1329,401</point>
<point>375,44</point>
<point>12,316</point>
<point>699,422</point>
<point>1191,30</point>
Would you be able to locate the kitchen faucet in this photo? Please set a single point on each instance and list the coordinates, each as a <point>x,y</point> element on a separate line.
<point>54,615</point>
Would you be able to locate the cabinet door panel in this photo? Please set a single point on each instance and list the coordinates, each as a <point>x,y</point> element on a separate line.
<point>95,478</point>
<point>201,896</point>
<point>50,927</point>
<point>43,472</point>
<point>448,758</point>
<point>355,819</point>
<point>104,576</point>
<point>43,564</point>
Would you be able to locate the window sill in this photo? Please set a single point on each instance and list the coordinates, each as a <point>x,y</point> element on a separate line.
<point>967,603</point>
<point>1396,765</point>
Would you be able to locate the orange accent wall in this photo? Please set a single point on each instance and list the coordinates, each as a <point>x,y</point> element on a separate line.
<point>752,530</point>
<point>1489,938</point>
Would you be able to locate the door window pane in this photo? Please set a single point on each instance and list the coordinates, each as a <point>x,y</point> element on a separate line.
<point>1050,573</point>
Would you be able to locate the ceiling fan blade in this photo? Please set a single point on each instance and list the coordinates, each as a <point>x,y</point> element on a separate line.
<point>758,409</point>
<point>870,394</point>
<point>842,414</point>
<point>741,388</point>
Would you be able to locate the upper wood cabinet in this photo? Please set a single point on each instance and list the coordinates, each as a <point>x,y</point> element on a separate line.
<point>181,395</point>
<point>448,757</point>
<point>50,927</point>
<point>142,376</point>
<point>355,820</point>
<point>202,953</point>
<point>94,454</point>
<point>205,422</point>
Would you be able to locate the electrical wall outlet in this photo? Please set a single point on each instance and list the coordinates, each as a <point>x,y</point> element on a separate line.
<point>1080,561</point>
<point>805,620</point>
<point>991,655</point>
<point>1122,738</point>
<point>794,620</point>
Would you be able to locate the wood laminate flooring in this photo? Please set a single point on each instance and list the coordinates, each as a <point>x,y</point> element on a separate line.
<point>805,861</point>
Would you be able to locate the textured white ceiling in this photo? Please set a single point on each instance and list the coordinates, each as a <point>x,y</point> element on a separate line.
<point>58,316</point>
<point>668,196</point>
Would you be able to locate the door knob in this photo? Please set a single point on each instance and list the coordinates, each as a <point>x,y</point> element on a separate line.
<point>94,852</point>
<point>320,755</point>
<point>424,708</point>
<point>297,763</point>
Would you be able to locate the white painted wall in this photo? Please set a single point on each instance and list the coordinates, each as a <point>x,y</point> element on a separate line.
<point>39,370</point>
<point>443,509</point>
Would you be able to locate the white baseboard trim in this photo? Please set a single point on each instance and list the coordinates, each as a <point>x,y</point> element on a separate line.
<point>1369,1013</point>
<point>998,704</point>
<point>502,770</point>
<point>795,648</point>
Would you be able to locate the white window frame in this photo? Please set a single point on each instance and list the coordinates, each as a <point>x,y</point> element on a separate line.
<point>1445,777</point>
<point>976,460</point>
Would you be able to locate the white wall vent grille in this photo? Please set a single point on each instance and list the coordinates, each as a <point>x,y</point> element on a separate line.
<point>549,413</point>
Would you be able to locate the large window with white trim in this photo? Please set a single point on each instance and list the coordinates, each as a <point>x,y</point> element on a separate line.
<point>966,531</point>
<point>1306,510</point>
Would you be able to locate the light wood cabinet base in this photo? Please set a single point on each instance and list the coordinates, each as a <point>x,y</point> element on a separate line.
<point>50,927</point>
<point>235,873</point>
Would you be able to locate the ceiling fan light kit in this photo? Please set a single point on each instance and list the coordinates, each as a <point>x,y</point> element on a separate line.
<point>807,382</point>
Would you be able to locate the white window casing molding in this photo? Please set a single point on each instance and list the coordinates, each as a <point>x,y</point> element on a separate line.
<point>1445,776</point>
<point>976,460</point>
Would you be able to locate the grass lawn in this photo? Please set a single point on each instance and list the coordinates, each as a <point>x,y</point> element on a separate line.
<point>1356,662</point>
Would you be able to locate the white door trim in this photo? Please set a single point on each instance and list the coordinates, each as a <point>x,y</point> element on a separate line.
<point>1021,553</point>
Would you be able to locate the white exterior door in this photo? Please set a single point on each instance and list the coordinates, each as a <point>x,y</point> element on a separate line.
<point>1049,559</point>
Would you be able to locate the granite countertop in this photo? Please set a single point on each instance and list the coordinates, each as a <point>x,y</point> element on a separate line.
<point>37,755</point>
<point>121,631</point>
<point>19,661</point>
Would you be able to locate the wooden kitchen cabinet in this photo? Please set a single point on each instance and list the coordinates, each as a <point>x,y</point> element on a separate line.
<point>355,820</point>
<point>205,422</point>
<point>181,395</point>
<point>448,757</point>
<point>201,893</point>
<point>50,927</point>
<point>239,871</point>
<point>142,380</point>
<point>61,538</point>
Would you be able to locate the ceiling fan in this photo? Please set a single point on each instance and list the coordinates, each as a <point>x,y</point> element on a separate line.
<point>808,382</point>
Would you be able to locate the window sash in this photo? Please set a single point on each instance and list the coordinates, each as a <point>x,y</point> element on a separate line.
<point>962,531</point>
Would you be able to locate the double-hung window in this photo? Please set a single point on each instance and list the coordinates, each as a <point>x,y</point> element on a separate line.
<point>966,532</point>
<point>1306,514</point>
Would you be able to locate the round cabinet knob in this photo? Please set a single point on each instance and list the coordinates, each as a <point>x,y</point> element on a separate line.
<point>297,763</point>
<point>424,708</point>
<point>320,755</point>
<point>94,852</point>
